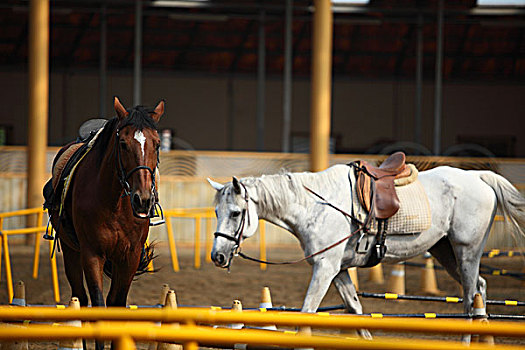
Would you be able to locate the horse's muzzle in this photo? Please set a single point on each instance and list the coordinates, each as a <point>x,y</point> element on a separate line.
<point>220,259</point>
<point>141,206</point>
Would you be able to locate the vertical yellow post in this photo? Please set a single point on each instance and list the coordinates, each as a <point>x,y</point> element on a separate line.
<point>209,240</point>
<point>262,242</point>
<point>1,243</point>
<point>191,345</point>
<point>38,101</point>
<point>36,258</point>
<point>171,241</point>
<point>197,260</point>
<point>321,85</point>
<point>7,263</point>
<point>125,343</point>
<point>54,272</point>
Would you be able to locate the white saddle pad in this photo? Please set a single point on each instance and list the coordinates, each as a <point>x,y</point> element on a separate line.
<point>413,216</point>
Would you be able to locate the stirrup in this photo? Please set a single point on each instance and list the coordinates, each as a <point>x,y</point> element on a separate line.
<point>156,212</point>
<point>46,235</point>
<point>359,245</point>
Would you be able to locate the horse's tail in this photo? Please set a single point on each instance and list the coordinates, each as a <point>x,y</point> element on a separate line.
<point>511,202</point>
<point>146,257</point>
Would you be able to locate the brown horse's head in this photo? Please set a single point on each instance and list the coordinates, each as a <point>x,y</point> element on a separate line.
<point>138,154</point>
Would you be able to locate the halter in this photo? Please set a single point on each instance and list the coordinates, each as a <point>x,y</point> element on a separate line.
<point>237,237</point>
<point>124,176</point>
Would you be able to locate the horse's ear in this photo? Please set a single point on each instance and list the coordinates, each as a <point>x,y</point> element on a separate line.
<point>217,186</point>
<point>120,109</point>
<point>158,112</point>
<point>236,185</point>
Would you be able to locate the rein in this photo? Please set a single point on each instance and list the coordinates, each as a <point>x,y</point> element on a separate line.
<point>244,256</point>
<point>237,238</point>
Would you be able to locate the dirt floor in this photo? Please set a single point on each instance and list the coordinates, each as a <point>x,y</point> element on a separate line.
<point>288,283</point>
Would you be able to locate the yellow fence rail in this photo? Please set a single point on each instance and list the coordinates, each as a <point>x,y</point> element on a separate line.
<point>36,230</point>
<point>199,214</point>
<point>190,335</point>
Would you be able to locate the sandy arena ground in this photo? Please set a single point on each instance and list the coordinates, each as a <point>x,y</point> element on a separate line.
<point>288,283</point>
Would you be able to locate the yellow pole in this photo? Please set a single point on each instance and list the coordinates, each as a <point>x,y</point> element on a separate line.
<point>1,243</point>
<point>36,258</point>
<point>197,259</point>
<point>125,343</point>
<point>171,241</point>
<point>321,85</point>
<point>54,272</point>
<point>38,101</point>
<point>209,240</point>
<point>262,242</point>
<point>7,262</point>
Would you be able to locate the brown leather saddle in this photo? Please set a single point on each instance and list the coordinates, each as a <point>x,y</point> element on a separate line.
<point>375,185</point>
<point>376,192</point>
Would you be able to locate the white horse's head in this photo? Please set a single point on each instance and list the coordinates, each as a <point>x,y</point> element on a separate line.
<point>237,219</point>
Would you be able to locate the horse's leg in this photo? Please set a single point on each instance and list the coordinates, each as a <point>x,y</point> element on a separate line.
<point>444,254</point>
<point>322,275</point>
<point>122,276</point>
<point>346,289</point>
<point>93,265</point>
<point>75,276</point>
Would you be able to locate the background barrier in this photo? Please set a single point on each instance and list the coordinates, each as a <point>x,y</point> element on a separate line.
<point>37,229</point>
<point>183,181</point>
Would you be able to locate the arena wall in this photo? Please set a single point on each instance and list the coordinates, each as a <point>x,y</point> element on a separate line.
<point>364,113</point>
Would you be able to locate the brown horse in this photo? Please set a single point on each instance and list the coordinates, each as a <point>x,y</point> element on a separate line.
<point>106,213</point>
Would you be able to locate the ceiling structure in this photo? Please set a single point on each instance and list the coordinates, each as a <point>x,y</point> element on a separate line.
<point>378,40</point>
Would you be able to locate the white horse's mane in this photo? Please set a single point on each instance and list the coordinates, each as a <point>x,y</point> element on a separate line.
<point>279,190</point>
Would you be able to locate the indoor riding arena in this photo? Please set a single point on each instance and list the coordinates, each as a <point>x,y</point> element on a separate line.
<point>249,174</point>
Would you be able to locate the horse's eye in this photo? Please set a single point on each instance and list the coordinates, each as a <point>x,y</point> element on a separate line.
<point>235,214</point>
<point>124,145</point>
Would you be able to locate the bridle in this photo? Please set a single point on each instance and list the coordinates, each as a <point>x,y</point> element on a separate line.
<point>237,237</point>
<point>124,176</point>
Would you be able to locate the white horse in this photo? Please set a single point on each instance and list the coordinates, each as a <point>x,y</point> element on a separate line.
<point>463,205</point>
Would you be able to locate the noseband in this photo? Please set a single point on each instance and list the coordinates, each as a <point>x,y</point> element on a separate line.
<point>237,237</point>
<point>124,176</point>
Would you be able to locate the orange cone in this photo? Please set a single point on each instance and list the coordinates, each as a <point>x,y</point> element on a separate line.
<point>72,344</point>
<point>266,303</point>
<point>162,301</point>
<point>396,282</point>
<point>352,271</point>
<point>163,294</point>
<point>170,303</point>
<point>19,299</point>
<point>375,274</point>
<point>480,315</point>
<point>428,278</point>
<point>236,307</point>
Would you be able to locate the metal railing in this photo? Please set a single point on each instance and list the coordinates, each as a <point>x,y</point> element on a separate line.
<point>191,335</point>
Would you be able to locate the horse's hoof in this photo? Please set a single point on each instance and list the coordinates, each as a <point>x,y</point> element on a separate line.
<point>365,334</point>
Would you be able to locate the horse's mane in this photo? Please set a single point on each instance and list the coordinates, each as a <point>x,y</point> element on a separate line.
<point>139,117</point>
<point>278,190</point>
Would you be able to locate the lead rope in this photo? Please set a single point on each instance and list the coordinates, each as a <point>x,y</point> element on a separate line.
<point>244,256</point>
